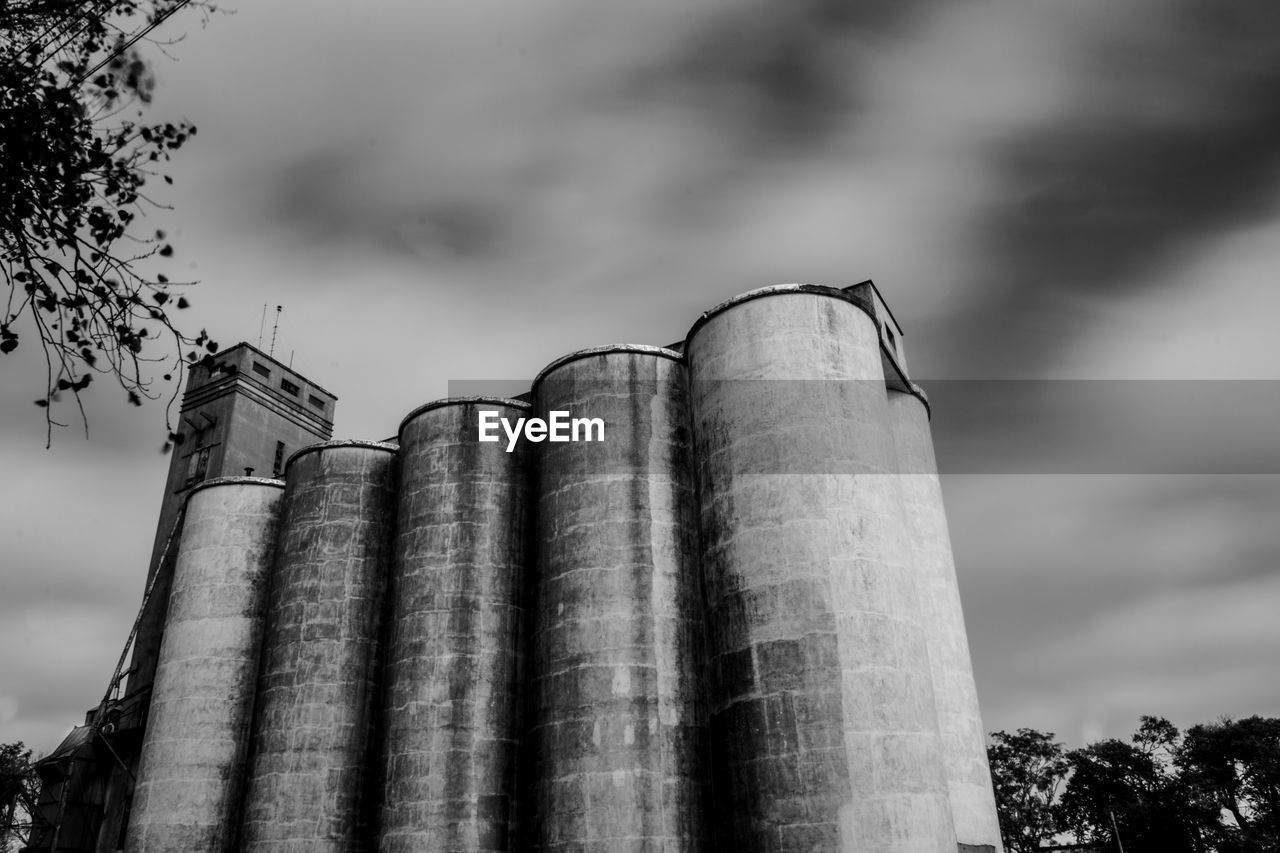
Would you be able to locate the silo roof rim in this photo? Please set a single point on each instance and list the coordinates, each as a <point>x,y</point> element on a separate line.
<point>776,290</point>
<point>639,349</point>
<point>914,390</point>
<point>339,442</point>
<point>234,481</point>
<point>460,401</point>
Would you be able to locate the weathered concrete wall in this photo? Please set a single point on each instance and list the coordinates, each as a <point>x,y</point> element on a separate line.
<point>454,655</point>
<point>318,685</point>
<point>736,589</point>
<point>964,750</point>
<point>618,721</point>
<point>825,731</point>
<point>193,754</point>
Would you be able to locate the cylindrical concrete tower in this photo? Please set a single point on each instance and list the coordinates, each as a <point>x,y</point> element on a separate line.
<point>454,656</point>
<point>825,734</point>
<point>193,754</point>
<point>618,721</point>
<point>964,748</point>
<point>317,690</point>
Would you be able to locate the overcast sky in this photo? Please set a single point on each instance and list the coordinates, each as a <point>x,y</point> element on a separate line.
<point>1078,190</point>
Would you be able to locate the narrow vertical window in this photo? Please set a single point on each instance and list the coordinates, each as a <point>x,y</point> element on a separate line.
<point>201,465</point>
<point>279,459</point>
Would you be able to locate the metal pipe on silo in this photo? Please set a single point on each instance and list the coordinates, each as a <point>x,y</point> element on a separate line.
<point>955,694</point>
<point>618,728</point>
<point>455,650</point>
<point>318,686</point>
<point>825,733</point>
<point>193,753</point>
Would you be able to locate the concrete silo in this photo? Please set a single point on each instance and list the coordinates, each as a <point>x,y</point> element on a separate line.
<point>704,601</point>
<point>825,732</point>
<point>454,655</point>
<point>193,753</point>
<point>618,722</point>
<point>318,684</point>
<point>959,721</point>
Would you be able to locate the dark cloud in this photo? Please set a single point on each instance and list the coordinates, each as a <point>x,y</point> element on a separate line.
<point>321,198</point>
<point>748,83</point>
<point>305,190</point>
<point>459,230</point>
<point>776,73</point>
<point>1174,140</point>
<point>1106,426</point>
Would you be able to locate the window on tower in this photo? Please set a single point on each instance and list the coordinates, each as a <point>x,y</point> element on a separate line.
<point>279,463</point>
<point>199,466</point>
<point>288,387</point>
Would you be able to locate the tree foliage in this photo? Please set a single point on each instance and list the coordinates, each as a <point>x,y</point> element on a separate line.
<point>75,157</point>
<point>1027,771</point>
<point>18,790</point>
<point>1132,790</point>
<point>1235,767</point>
<point>1215,789</point>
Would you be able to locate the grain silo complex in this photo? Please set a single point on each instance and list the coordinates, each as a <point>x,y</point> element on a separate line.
<point>686,599</point>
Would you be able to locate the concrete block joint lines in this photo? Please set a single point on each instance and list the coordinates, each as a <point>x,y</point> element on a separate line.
<point>732,624</point>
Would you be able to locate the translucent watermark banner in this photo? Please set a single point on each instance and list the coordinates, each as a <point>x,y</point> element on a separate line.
<point>798,426</point>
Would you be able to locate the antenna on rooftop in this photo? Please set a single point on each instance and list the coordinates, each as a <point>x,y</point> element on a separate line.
<point>272,351</point>
<point>262,323</point>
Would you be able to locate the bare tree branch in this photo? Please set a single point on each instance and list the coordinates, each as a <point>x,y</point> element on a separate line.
<point>72,173</point>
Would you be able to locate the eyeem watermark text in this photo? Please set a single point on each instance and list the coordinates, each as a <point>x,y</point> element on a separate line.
<point>560,427</point>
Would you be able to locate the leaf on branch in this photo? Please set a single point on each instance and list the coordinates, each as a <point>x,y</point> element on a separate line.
<point>73,162</point>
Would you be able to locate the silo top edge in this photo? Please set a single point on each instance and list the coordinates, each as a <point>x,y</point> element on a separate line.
<point>234,481</point>
<point>914,390</point>
<point>460,401</point>
<point>777,290</point>
<point>639,349</point>
<point>343,442</point>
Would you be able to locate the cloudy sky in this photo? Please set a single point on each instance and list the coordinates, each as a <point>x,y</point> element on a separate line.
<point>1079,199</point>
